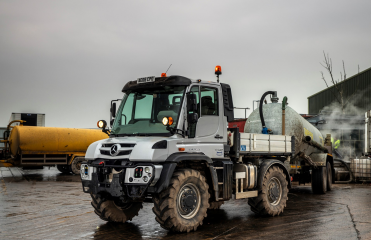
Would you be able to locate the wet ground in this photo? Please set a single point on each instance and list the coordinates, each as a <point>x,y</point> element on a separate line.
<point>45,204</point>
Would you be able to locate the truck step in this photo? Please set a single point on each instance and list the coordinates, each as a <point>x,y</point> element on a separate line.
<point>218,167</point>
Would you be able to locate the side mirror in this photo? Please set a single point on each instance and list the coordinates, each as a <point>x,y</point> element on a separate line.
<point>113,109</point>
<point>192,117</point>
<point>191,102</point>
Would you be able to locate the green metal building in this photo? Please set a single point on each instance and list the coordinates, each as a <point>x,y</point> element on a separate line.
<point>349,128</point>
<point>358,84</point>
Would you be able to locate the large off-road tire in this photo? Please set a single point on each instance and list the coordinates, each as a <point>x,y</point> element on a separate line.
<point>114,211</point>
<point>64,168</point>
<point>272,196</point>
<point>182,206</point>
<point>319,180</point>
<point>215,205</point>
<point>76,165</point>
<point>329,176</point>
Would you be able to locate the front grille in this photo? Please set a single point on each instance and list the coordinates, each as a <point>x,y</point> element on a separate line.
<point>127,145</point>
<point>127,152</point>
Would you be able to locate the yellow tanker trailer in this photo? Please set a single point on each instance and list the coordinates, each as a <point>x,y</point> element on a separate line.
<point>48,146</point>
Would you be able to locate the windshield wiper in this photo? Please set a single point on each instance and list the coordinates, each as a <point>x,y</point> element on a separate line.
<point>134,134</point>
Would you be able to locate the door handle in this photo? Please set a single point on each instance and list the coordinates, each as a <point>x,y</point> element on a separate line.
<point>217,136</point>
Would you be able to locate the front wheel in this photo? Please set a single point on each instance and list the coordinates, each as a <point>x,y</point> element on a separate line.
<point>114,210</point>
<point>182,206</point>
<point>272,197</point>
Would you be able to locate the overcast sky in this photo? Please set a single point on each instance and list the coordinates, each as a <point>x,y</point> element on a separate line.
<point>68,59</point>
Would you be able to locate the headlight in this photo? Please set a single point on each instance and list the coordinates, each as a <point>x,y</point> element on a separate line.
<point>101,124</point>
<point>167,121</point>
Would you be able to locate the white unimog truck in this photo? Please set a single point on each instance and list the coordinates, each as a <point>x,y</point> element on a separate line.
<point>169,144</point>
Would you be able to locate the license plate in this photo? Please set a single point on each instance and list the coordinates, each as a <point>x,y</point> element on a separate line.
<point>146,79</point>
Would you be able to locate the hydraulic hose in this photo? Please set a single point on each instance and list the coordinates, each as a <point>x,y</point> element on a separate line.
<point>350,172</point>
<point>265,130</point>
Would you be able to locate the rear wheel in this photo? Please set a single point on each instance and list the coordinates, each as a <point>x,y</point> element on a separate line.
<point>329,176</point>
<point>76,165</point>
<point>114,210</point>
<point>272,198</point>
<point>319,180</point>
<point>182,206</point>
<point>63,168</point>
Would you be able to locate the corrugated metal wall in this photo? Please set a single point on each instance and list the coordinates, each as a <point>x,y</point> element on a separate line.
<point>360,84</point>
<point>2,130</point>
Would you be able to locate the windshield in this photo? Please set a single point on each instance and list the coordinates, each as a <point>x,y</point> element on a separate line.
<point>141,111</point>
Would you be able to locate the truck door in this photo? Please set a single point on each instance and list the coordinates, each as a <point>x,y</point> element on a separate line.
<point>208,103</point>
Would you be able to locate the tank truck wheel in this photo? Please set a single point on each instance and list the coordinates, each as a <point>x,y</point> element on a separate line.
<point>329,176</point>
<point>182,206</point>
<point>114,211</point>
<point>76,165</point>
<point>215,205</point>
<point>272,198</point>
<point>63,168</point>
<point>319,180</point>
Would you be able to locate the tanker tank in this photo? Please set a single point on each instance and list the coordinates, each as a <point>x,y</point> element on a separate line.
<point>51,140</point>
<point>295,126</point>
<point>35,147</point>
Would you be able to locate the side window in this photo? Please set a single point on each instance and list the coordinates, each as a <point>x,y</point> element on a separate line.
<point>209,101</point>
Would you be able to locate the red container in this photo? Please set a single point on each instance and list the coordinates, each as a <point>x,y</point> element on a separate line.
<point>240,123</point>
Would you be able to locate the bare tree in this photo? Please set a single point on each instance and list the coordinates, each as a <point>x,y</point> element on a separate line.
<point>338,87</point>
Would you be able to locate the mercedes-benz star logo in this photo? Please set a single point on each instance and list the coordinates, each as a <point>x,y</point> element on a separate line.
<point>114,149</point>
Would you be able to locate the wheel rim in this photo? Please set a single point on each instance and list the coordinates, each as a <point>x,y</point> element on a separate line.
<point>78,165</point>
<point>274,191</point>
<point>188,201</point>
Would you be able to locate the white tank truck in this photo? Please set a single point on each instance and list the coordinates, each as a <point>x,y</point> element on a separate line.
<point>169,144</point>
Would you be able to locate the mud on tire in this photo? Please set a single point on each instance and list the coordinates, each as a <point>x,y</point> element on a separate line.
<point>182,206</point>
<point>272,198</point>
<point>110,211</point>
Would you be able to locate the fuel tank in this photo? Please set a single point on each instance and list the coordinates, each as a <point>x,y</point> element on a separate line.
<point>295,125</point>
<point>51,140</point>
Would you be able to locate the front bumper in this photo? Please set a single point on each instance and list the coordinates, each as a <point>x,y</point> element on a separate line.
<point>131,181</point>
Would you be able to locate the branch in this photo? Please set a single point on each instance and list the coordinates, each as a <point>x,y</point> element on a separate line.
<point>328,66</point>
<point>323,77</point>
<point>345,75</point>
